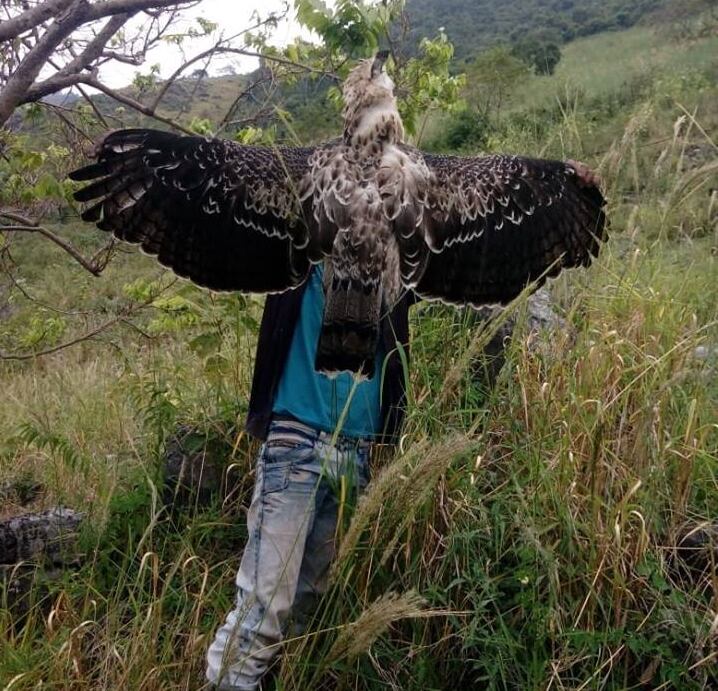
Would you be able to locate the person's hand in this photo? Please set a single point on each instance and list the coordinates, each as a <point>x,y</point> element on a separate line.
<point>586,177</point>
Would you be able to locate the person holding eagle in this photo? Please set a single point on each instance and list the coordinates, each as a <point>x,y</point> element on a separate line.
<point>343,237</point>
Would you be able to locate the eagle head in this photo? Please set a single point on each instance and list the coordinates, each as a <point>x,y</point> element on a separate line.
<point>369,75</point>
<point>378,63</point>
<point>369,104</point>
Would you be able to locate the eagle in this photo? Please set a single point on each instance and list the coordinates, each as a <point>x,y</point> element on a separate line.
<point>382,216</point>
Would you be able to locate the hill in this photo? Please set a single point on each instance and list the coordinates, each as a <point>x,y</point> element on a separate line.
<point>474,25</point>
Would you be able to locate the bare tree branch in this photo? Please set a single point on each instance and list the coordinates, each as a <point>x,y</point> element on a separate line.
<point>94,48</point>
<point>285,61</point>
<point>227,119</point>
<point>74,341</point>
<point>110,7</point>
<point>57,111</point>
<point>135,60</point>
<point>98,113</point>
<point>29,19</point>
<point>18,84</point>
<point>167,83</point>
<point>216,49</point>
<point>15,283</point>
<point>134,104</point>
<point>120,317</point>
<point>70,15</point>
<point>77,59</point>
<point>28,225</point>
<point>70,73</point>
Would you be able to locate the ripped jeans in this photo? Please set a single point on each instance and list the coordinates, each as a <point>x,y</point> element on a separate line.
<point>285,566</point>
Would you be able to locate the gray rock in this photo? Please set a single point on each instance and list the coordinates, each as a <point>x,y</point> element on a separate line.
<point>697,155</point>
<point>705,352</point>
<point>541,318</point>
<point>50,536</point>
<point>541,315</point>
<point>35,549</point>
<point>25,587</point>
<point>195,469</point>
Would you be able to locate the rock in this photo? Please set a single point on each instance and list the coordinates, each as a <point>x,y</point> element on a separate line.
<point>19,590</point>
<point>695,554</point>
<point>705,352</point>
<point>697,155</point>
<point>35,549</point>
<point>50,536</point>
<point>195,469</point>
<point>540,317</point>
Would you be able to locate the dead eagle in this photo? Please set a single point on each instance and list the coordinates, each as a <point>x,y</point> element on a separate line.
<point>383,216</point>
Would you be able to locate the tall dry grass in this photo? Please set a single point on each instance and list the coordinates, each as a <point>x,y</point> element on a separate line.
<point>523,536</point>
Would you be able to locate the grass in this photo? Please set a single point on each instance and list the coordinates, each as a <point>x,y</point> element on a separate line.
<point>607,64</point>
<point>522,537</point>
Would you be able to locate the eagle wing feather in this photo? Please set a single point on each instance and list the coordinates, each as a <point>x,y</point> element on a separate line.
<point>498,223</point>
<point>225,215</point>
<point>246,218</point>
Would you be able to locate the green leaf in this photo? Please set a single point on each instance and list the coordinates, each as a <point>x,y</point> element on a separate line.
<point>49,187</point>
<point>201,126</point>
<point>206,25</point>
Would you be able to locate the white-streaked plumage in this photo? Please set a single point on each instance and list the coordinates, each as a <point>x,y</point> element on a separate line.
<point>383,216</point>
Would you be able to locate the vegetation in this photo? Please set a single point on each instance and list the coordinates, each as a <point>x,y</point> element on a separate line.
<point>477,25</point>
<point>541,56</point>
<point>522,537</point>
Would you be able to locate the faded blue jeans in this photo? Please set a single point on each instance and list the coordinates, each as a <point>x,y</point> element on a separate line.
<point>284,569</point>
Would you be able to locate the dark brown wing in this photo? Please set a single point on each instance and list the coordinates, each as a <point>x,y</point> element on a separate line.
<point>224,215</point>
<point>498,223</point>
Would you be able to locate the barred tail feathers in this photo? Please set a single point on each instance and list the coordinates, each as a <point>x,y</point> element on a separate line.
<point>350,329</point>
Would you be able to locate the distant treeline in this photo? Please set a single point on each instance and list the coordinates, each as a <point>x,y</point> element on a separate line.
<point>474,25</point>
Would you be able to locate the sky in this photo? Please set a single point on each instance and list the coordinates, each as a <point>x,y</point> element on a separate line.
<point>232,16</point>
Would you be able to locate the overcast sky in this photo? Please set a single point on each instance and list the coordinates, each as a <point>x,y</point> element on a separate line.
<point>232,16</point>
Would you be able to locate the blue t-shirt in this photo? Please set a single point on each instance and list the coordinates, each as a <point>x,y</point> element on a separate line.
<point>312,397</point>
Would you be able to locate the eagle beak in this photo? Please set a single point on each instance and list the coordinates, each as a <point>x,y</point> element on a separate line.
<point>379,60</point>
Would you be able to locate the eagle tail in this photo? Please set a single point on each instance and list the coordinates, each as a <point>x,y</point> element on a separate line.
<point>350,330</point>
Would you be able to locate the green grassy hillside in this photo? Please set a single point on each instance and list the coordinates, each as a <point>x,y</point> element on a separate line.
<point>476,25</point>
<point>522,538</point>
<point>597,84</point>
<point>610,64</point>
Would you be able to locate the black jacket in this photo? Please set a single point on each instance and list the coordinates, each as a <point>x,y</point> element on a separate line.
<point>275,337</point>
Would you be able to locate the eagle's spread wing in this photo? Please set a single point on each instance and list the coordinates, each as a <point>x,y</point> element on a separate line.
<point>497,223</point>
<point>224,215</point>
<point>382,215</point>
